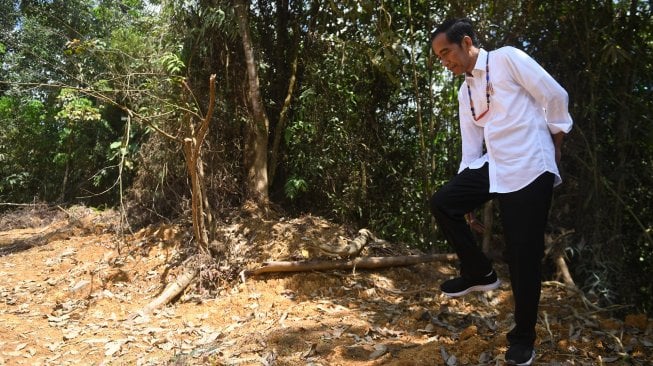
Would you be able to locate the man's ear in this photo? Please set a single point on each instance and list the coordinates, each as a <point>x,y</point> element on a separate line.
<point>467,43</point>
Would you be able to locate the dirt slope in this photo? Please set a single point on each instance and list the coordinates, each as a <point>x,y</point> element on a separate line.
<point>71,292</point>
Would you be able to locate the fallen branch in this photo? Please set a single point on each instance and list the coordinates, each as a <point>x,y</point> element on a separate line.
<point>173,289</point>
<point>362,262</point>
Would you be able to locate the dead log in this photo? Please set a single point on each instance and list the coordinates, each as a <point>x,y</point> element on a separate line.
<point>362,262</point>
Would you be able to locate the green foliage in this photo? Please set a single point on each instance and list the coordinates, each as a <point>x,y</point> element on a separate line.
<point>172,63</point>
<point>65,142</point>
<point>26,133</point>
<point>295,186</point>
<point>361,152</point>
<point>76,109</point>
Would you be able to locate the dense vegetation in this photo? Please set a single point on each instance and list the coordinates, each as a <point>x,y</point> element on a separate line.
<point>342,113</point>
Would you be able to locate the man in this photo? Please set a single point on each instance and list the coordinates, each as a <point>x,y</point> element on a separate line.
<point>513,116</point>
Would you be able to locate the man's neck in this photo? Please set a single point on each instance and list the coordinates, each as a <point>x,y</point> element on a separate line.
<point>473,53</point>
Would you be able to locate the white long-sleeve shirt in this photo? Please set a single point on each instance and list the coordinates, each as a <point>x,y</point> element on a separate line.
<point>527,106</point>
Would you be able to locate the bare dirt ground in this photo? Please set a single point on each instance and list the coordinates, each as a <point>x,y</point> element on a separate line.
<point>72,292</point>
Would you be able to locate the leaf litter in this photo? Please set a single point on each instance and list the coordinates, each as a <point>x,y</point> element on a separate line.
<point>74,299</point>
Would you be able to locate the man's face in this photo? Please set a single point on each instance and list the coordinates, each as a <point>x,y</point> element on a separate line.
<point>455,57</point>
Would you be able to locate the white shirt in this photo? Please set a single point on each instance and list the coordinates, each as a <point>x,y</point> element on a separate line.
<point>527,106</point>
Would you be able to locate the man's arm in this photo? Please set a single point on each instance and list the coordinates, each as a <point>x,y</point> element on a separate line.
<point>557,142</point>
<point>470,134</point>
<point>544,89</point>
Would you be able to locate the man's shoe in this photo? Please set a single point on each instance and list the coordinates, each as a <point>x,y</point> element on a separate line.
<point>520,355</point>
<point>463,285</point>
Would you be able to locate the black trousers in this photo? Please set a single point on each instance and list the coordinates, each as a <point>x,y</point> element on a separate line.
<point>524,216</point>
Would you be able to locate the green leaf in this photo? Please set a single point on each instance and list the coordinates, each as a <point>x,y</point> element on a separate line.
<point>172,63</point>
<point>295,186</point>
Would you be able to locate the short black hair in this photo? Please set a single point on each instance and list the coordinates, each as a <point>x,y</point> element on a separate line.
<point>456,30</point>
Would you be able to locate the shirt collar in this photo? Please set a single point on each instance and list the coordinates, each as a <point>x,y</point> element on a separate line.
<point>479,67</point>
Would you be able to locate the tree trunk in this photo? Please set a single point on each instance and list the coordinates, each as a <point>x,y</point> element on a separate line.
<point>283,118</point>
<point>256,138</point>
<point>194,164</point>
<point>201,210</point>
<point>66,173</point>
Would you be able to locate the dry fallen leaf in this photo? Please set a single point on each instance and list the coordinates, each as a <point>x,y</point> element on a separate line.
<point>80,285</point>
<point>167,346</point>
<point>71,333</point>
<point>339,330</point>
<point>607,359</point>
<point>379,350</point>
<point>452,361</point>
<point>310,352</point>
<point>112,347</point>
<point>209,337</point>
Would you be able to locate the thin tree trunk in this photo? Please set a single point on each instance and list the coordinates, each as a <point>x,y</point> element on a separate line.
<point>426,190</point>
<point>283,118</point>
<point>256,139</point>
<point>195,165</point>
<point>201,211</point>
<point>66,173</point>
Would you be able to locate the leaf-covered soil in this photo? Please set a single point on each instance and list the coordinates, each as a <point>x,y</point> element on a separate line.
<point>72,292</point>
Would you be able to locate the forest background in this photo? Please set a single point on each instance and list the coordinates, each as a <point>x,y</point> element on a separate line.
<point>176,109</point>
